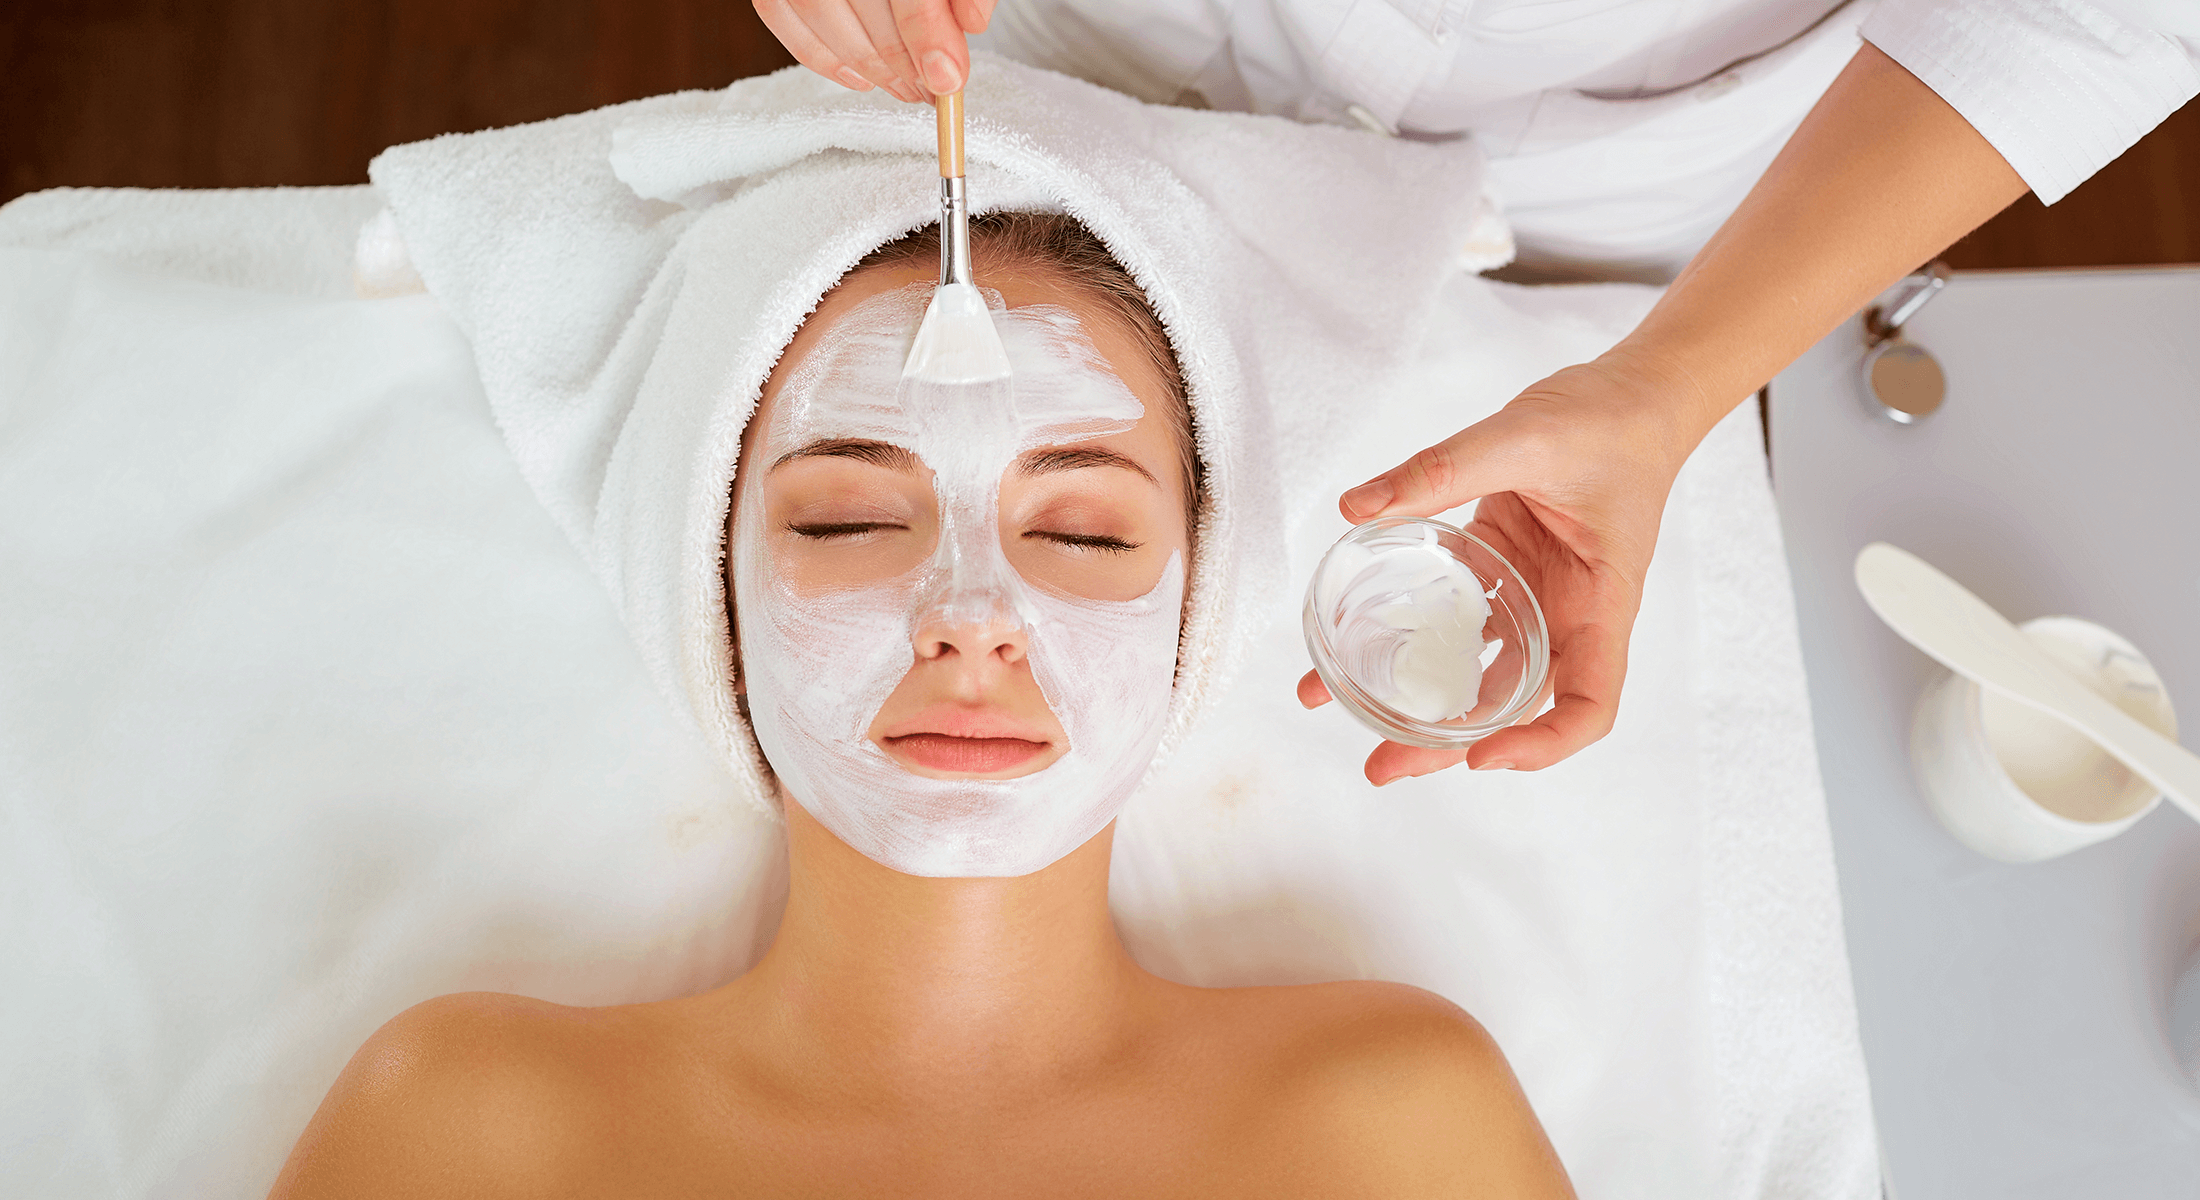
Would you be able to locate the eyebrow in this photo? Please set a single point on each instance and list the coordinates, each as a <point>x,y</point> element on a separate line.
<point>1080,457</point>
<point>897,458</point>
<point>878,454</point>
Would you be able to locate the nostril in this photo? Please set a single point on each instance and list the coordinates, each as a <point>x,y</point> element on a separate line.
<point>973,640</point>
<point>934,647</point>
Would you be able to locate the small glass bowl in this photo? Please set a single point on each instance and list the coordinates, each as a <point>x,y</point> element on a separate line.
<point>1515,661</point>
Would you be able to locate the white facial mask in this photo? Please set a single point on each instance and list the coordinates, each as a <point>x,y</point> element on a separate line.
<point>817,667</point>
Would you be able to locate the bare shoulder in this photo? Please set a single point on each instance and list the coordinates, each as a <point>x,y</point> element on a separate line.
<point>1397,1091</point>
<point>475,1094</point>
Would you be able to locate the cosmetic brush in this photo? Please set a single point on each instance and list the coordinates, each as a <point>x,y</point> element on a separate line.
<point>956,343</point>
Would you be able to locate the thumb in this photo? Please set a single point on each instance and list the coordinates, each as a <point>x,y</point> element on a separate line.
<point>1475,462</point>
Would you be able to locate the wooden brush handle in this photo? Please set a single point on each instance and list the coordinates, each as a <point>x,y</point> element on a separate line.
<point>950,110</point>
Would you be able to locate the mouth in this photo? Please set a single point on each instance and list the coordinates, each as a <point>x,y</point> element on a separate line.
<point>957,740</point>
<point>963,755</point>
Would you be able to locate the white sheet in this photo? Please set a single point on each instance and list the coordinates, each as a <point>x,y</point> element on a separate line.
<point>308,712</point>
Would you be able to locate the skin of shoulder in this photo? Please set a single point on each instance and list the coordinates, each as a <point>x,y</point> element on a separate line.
<point>474,1094</point>
<point>1383,1089</point>
<point>1345,1089</point>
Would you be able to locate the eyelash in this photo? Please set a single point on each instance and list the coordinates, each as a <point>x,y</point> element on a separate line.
<point>1083,541</point>
<point>835,531</point>
<point>1088,541</point>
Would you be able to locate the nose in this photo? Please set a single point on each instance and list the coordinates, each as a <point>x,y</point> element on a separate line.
<point>969,612</point>
<point>974,629</point>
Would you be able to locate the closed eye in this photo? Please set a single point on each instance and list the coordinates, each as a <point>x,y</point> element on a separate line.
<point>835,530</point>
<point>1087,541</point>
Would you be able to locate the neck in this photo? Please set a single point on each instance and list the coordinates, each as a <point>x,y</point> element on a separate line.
<point>943,982</point>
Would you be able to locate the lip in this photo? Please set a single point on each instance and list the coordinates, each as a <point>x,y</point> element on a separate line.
<point>955,721</point>
<point>954,739</point>
<point>963,755</point>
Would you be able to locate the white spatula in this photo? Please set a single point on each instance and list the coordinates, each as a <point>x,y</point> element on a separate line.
<point>1939,616</point>
<point>956,343</point>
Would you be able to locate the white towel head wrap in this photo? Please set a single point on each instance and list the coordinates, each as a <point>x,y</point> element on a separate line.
<point>628,277</point>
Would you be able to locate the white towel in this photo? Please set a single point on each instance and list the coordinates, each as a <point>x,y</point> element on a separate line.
<point>293,241</point>
<point>628,277</point>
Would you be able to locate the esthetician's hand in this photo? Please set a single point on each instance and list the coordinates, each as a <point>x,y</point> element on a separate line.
<point>1882,175</point>
<point>915,49</point>
<point>1572,475</point>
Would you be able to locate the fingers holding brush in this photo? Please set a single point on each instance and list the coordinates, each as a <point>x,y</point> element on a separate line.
<point>913,49</point>
<point>834,39</point>
<point>936,33</point>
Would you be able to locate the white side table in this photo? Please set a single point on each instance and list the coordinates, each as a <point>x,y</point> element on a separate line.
<point>2012,1016</point>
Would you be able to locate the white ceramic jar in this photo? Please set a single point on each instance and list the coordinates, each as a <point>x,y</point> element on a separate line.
<point>2018,785</point>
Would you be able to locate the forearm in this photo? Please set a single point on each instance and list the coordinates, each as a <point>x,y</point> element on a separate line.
<point>1881,176</point>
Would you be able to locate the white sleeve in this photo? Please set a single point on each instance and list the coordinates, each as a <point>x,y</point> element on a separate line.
<point>2059,87</point>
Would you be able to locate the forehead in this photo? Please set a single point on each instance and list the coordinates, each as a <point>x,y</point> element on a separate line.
<point>841,379</point>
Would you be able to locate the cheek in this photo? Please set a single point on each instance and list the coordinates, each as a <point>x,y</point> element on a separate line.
<point>812,565</point>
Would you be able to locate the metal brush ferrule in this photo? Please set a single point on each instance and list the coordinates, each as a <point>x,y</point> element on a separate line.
<point>954,232</point>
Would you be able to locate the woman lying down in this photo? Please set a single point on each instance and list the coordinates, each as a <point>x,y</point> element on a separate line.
<point>956,633</point>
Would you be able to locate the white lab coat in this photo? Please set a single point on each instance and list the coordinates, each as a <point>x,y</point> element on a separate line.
<point>1621,132</point>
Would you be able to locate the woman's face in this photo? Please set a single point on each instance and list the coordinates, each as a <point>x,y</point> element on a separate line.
<point>839,506</point>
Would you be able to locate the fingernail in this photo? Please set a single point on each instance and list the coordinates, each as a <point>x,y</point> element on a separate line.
<point>1495,764</point>
<point>848,77</point>
<point>1387,782</point>
<point>1370,498</point>
<point>941,74</point>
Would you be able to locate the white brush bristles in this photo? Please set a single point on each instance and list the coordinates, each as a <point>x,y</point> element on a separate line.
<point>957,343</point>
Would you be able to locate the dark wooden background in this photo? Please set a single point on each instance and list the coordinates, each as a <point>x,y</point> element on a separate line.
<point>248,93</point>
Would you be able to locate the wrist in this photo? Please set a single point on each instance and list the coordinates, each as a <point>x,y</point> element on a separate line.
<point>1684,397</point>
